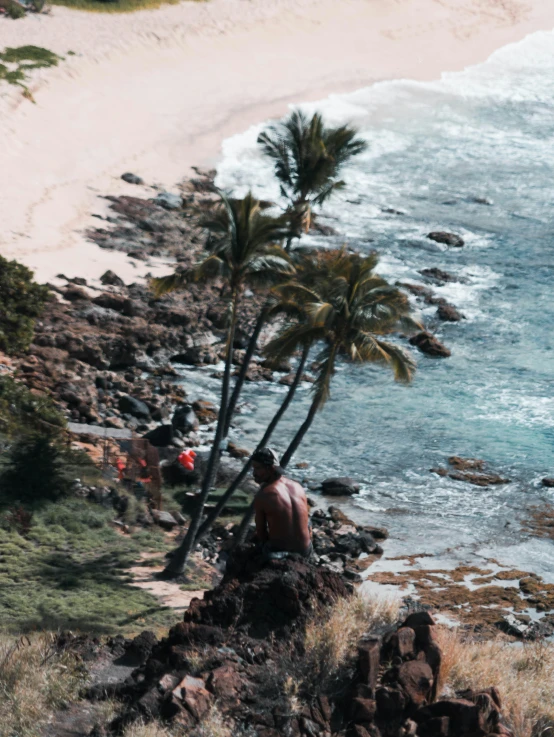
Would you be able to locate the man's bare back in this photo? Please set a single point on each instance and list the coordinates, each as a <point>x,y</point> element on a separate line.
<point>282,516</point>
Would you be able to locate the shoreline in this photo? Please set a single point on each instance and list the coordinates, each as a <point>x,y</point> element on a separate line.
<point>159,101</point>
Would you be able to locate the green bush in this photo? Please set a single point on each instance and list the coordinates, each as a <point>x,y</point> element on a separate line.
<point>15,11</point>
<point>22,300</point>
<point>36,472</point>
<point>22,412</point>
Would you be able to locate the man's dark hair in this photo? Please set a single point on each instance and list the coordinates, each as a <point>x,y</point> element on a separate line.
<point>269,458</point>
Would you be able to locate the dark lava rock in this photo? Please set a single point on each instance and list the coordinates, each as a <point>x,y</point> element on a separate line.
<point>161,436</point>
<point>449,239</point>
<point>134,407</point>
<point>131,178</point>
<point>169,201</point>
<point>429,345</point>
<point>277,598</point>
<point>449,313</point>
<point>184,419</point>
<point>75,294</point>
<point>438,275</point>
<point>110,278</point>
<point>549,483</point>
<point>142,645</point>
<point>340,486</point>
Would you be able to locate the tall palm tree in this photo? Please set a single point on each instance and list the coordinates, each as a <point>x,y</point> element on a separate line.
<point>308,157</point>
<point>243,250</point>
<point>349,309</point>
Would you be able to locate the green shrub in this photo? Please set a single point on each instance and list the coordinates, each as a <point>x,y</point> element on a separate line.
<point>15,11</point>
<point>35,472</point>
<point>22,300</point>
<point>22,412</point>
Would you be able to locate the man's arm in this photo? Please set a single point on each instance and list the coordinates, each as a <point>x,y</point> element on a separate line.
<point>261,521</point>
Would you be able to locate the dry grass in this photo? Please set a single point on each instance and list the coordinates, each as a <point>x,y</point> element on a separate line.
<point>150,729</point>
<point>330,641</point>
<point>523,675</point>
<point>34,681</point>
<point>213,725</point>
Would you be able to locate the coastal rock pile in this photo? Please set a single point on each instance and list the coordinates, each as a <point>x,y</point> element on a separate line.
<point>238,646</point>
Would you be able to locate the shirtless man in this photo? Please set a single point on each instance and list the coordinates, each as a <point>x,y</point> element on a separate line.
<point>282,517</point>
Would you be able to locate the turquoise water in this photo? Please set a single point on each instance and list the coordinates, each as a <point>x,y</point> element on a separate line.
<point>434,148</point>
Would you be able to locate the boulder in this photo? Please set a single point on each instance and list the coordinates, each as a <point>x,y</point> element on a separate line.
<point>449,239</point>
<point>131,406</point>
<point>131,178</point>
<point>429,345</point>
<point>165,520</point>
<point>416,679</point>
<point>169,201</point>
<point>548,482</point>
<point>184,419</point>
<point>437,275</point>
<point>449,313</point>
<point>194,695</point>
<point>161,436</point>
<point>339,486</point>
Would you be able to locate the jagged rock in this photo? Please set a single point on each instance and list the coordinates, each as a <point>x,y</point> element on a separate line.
<point>448,313</point>
<point>416,679</point>
<point>161,436</point>
<point>75,294</point>
<point>438,275</point>
<point>339,486</point>
<point>184,419</point>
<point>169,201</point>
<point>142,645</point>
<point>449,239</point>
<point>368,663</point>
<point>194,695</point>
<point>131,178</point>
<point>429,345</point>
<point>134,407</point>
<point>164,519</point>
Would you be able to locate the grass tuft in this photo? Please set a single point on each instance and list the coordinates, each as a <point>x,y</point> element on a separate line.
<point>35,680</point>
<point>524,676</point>
<point>330,641</point>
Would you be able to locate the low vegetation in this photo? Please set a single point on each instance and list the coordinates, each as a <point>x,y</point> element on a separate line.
<point>35,679</point>
<point>523,675</point>
<point>65,568</point>
<point>115,6</point>
<point>21,298</point>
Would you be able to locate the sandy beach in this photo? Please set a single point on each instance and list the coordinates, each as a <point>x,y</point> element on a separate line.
<point>156,92</point>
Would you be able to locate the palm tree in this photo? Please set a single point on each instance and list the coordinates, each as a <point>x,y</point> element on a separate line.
<point>308,157</point>
<point>349,309</point>
<point>243,251</point>
<point>214,514</point>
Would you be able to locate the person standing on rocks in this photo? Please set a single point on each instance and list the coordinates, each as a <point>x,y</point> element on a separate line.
<point>281,507</point>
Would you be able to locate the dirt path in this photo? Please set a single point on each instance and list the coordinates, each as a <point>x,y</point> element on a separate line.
<point>168,593</point>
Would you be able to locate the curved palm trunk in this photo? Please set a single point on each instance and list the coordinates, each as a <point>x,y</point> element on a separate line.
<point>211,518</point>
<point>176,566</point>
<point>243,369</point>
<point>299,437</point>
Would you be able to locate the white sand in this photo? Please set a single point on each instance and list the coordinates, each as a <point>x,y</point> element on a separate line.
<point>155,92</point>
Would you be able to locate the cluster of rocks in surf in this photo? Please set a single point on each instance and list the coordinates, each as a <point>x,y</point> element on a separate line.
<point>250,632</point>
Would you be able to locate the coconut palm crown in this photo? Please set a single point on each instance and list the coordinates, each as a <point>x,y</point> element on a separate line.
<point>349,309</point>
<point>307,158</point>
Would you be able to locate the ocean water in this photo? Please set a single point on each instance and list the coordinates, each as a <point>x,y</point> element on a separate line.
<point>434,149</point>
